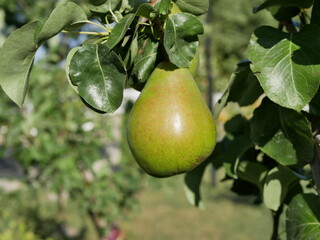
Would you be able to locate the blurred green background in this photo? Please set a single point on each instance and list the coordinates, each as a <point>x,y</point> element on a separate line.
<point>67,173</point>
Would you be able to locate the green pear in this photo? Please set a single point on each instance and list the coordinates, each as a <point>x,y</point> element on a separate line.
<point>170,128</point>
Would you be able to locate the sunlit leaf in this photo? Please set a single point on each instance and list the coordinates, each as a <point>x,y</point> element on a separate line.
<point>287,65</point>
<point>180,38</point>
<point>64,16</point>
<point>99,76</point>
<point>303,218</point>
<point>16,59</point>
<point>276,186</point>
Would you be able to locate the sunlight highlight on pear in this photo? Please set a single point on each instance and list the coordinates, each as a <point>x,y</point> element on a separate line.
<point>170,129</point>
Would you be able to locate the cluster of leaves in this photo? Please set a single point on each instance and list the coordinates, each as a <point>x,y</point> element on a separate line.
<point>135,38</point>
<point>272,154</point>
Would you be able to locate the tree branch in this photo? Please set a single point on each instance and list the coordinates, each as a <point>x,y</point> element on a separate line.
<point>276,220</point>
<point>315,164</point>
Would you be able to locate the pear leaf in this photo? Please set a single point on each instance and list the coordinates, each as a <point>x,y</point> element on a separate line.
<point>252,172</point>
<point>180,38</point>
<point>119,30</point>
<point>295,3</point>
<point>276,186</point>
<point>194,7</point>
<point>303,217</point>
<point>67,67</point>
<point>64,16</point>
<point>16,59</point>
<point>103,6</point>
<point>192,182</point>
<point>145,61</point>
<point>18,51</point>
<point>145,10</point>
<point>99,76</point>
<point>287,65</point>
<point>283,134</point>
<point>314,106</point>
<point>243,88</point>
<point>163,7</point>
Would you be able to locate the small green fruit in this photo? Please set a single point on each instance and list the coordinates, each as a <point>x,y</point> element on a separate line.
<point>170,129</point>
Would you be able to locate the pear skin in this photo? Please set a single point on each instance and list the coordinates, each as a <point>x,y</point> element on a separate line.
<point>170,128</point>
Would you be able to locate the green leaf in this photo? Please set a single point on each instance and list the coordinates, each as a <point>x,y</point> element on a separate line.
<point>233,146</point>
<point>252,172</point>
<point>314,106</point>
<point>295,3</point>
<point>287,65</point>
<point>303,218</point>
<point>145,10</point>
<point>234,149</point>
<point>64,16</point>
<point>145,61</point>
<point>163,7</point>
<point>180,38</point>
<point>284,13</point>
<point>283,134</point>
<point>103,6</point>
<point>276,187</point>
<point>192,182</point>
<point>99,76</point>
<point>194,7</point>
<point>67,66</point>
<point>16,59</point>
<point>119,30</point>
<point>243,88</point>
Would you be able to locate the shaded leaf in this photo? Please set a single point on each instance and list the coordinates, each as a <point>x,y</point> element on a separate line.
<point>295,3</point>
<point>99,76</point>
<point>145,61</point>
<point>252,172</point>
<point>276,186</point>
<point>195,7</point>
<point>283,134</point>
<point>192,182</point>
<point>303,218</point>
<point>314,106</point>
<point>287,65</point>
<point>145,10</point>
<point>284,13</point>
<point>180,38</point>
<point>103,6</point>
<point>64,16</point>
<point>16,59</point>
<point>243,88</point>
<point>234,149</point>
